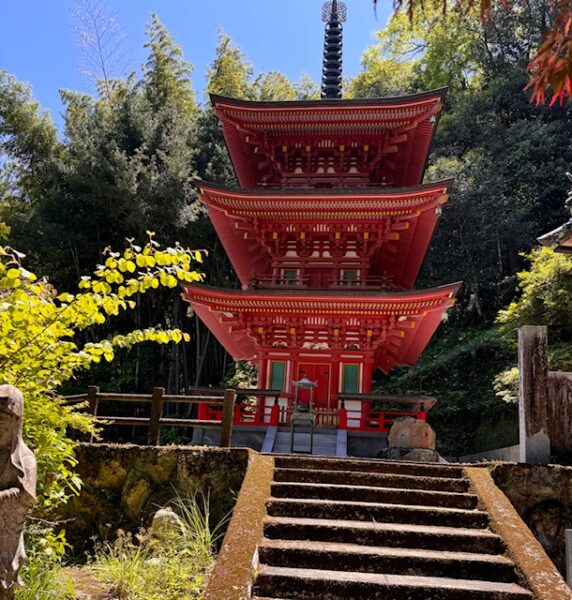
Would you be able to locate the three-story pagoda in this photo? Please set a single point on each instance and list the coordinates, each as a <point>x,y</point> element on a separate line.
<point>327,232</point>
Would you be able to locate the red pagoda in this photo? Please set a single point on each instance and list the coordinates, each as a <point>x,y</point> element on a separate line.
<point>327,232</point>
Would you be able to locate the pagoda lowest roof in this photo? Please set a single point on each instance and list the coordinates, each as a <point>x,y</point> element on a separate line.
<point>404,321</point>
<point>401,127</point>
<point>407,216</point>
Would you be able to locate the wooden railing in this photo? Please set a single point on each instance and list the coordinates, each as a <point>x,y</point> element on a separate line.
<point>156,419</point>
<point>224,408</point>
<point>371,414</point>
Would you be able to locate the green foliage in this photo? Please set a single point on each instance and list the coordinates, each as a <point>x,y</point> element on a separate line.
<point>506,385</point>
<point>545,297</point>
<point>230,74</point>
<point>167,75</point>
<point>273,86</point>
<point>43,574</point>
<point>42,345</point>
<point>242,374</point>
<point>145,568</point>
<point>459,368</point>
<point>434,50</point>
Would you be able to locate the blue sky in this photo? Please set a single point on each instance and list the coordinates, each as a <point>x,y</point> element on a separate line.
<point>38,45</point>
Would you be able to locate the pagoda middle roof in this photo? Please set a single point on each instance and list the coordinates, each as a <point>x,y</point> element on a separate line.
<point>407,218</point>
<point>402,126</point>
<point>307,203</point>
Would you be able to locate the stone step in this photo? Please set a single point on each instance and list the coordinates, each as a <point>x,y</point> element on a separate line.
<point>375,511</point>
<point>360,493</point>
<point>371,466</point>
<point>385,480</point>
<point>392,561</point>
<point>426,537</point>
<point>311,584</point>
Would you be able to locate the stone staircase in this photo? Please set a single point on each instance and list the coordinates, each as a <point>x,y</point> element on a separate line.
<point>345,529</point>
<point>325,442</point>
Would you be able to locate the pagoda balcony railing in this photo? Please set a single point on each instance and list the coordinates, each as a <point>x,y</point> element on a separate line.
<point>279,282</point>
<point>369,282</point>
<point>355,412</point>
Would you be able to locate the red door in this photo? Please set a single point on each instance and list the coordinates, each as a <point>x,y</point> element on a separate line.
<point>319,278</point>
<point>319,373</point>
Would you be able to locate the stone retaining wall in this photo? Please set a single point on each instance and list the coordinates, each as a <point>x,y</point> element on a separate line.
<point>123,485</point>
<point>542,496</point>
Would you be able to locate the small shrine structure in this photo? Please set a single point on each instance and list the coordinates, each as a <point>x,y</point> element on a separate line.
<point>327,231</point>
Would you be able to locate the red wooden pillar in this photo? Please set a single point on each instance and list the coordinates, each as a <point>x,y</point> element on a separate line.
<point>342,416</point>
<point>367,376</point>
<point>262,385</point>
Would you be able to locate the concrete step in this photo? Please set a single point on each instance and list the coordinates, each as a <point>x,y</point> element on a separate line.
<point>370,466</point>
<point>385,480</point>
<point>426,537</point>
<point>311,584</point>
<point>392,561</point>
<point>361,493</point>
<point>375,511</point>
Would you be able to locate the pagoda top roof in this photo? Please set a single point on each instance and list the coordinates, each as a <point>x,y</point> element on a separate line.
<point>406,99</point>
<point>408,319</point>
<point>283,142</point>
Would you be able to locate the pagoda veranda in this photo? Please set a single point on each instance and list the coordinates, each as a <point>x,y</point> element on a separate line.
<point>327,232</point>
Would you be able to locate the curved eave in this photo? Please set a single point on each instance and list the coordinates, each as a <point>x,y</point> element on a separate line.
<point>392,101</point>
<point>342,118</point>
<point>229,208</point>
<point>222,310</point>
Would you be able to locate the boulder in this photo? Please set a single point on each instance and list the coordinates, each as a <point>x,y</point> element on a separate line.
<point>166,525</point>
<point>411,433</point>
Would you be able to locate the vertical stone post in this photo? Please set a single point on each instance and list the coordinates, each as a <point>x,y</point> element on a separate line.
<point>568,534</point>
<point>533,399</point>
<point>154,436</point>
<point>227,418</point>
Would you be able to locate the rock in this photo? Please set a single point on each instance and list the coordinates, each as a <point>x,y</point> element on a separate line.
<point>135,494</point>
<point>422,455</point>
<point>411,433</point>
<point>167,524</point>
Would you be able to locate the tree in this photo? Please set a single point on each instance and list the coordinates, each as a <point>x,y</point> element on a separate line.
<point>42,346</point>
<point>273,86</point>
<point>100,41</point>
<point>550,66</point>
<point>167,76</point>
<point>545,299</point>
<point>432,50</point>
<point>230,74</point>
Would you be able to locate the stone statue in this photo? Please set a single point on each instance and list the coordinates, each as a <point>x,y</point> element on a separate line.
<point>17,488</point>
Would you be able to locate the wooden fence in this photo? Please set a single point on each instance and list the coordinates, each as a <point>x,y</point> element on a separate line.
<point>156,419</point>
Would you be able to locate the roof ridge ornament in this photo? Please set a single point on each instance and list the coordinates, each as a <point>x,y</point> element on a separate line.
<point>334,13</point>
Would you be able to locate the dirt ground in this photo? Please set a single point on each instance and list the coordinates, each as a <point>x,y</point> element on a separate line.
<point>86,586</point>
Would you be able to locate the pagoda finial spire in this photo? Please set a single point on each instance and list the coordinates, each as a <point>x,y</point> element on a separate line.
<point>334,13</point>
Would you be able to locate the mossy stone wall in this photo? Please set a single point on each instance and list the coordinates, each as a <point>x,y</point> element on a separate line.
<point>124,485</point>
<point>542,496</point>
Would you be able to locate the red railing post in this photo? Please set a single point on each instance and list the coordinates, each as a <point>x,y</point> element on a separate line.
<point>237,413</point>
<point>202,412</point>
<point>275,416</point>
<point>422,415</point>
<point>343,419</point>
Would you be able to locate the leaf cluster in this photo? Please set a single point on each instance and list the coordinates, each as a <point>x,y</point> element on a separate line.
<point>41,346</point>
